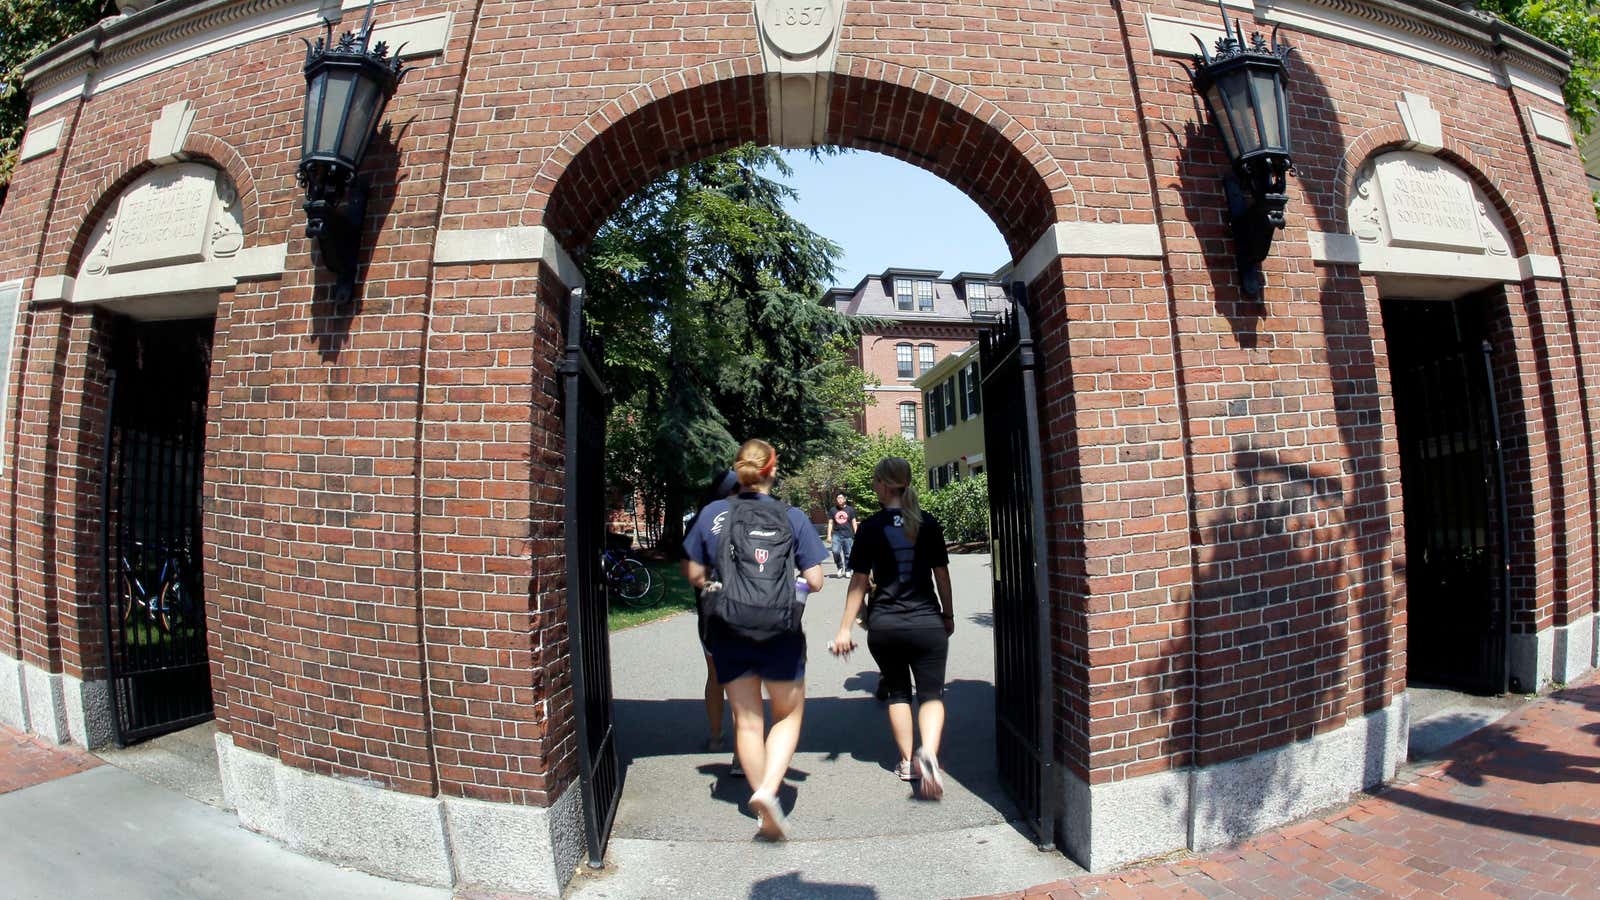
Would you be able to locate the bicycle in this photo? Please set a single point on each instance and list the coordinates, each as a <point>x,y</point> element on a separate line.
<point>169,607</point>
<point>630,580</point>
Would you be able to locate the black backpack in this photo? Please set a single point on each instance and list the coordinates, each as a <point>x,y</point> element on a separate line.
<point>755,563</point>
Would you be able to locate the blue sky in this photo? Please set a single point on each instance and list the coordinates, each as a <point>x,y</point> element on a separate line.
<point>884,213</point>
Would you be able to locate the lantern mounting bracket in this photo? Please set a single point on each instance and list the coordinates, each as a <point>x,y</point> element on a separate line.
<point>334,219</point>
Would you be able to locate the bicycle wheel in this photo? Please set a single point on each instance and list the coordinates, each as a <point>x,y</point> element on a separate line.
<point>174,606</point>
<point>630,583</point>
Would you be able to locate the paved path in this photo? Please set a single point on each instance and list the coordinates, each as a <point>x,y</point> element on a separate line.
<point>857,832</point>
<point>1511,811</point>
<point>26,760</point>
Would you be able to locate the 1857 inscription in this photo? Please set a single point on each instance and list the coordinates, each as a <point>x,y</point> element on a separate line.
<point>166,220</point>
<point>799,27</point>
<point>1428,204</point>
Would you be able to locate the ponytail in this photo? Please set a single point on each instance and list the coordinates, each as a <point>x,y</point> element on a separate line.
<point>894,473</point>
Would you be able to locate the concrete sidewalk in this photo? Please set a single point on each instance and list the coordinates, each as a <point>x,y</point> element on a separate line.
<point>84,830</point>
<point>856,831</point>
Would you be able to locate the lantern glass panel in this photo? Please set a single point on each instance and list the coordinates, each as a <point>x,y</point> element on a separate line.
<point>363,111</point>
<point>313,108</point>
<point>1219,111</point>
<point>1236,93</point>
<point>340,81</point>
<point>1267,91</point>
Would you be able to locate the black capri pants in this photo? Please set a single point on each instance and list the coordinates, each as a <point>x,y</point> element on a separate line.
<point>907,654</point>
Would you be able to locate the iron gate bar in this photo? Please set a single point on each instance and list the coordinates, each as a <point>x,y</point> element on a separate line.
<point>1505,514</point>
<point>1024,682</point>
<point>1453,484</point>
<point>105,545</point>
<point>150,495</point>
<point>600,770</point>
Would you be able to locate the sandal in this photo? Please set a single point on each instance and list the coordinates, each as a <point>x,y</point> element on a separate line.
<point>774,827</point>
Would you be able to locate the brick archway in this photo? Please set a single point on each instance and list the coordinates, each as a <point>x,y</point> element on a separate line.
<point>879,107</point>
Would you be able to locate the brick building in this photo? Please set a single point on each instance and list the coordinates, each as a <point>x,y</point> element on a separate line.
<point>922,319</point>
<point>1248,547</point>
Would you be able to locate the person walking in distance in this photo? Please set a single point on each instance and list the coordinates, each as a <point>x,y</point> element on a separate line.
<point>909,628</point>
<point>725,485</point>
<point>842,533</point>
<point>743,553</point>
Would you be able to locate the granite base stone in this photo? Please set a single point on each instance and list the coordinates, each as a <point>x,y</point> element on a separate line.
<point>1531,658</point>
<point>1105,826</point>
<point>59,708</point>
<point>47,708</point>
<point>1573,649</point>
<point>91,720</point>
<point>13,699</point>
<point>435,841</point>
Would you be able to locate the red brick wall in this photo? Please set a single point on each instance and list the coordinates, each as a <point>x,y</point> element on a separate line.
<point>384,491</point>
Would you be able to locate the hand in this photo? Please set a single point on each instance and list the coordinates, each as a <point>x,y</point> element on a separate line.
<point>842,644</point>
<point>949,625</point>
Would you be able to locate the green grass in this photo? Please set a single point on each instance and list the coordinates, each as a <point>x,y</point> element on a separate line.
<point>678,597</point>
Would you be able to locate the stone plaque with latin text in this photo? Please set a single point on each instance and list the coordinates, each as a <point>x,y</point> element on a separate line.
<point>166,220</point>
<point>1428,203</point>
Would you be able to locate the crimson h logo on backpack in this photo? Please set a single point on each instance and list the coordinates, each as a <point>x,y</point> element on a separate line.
<point>755,563</point>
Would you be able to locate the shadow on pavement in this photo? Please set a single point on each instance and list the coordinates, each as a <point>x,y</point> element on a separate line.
<point>794,887</point>
<point>1500,752</point>
<point>835,727</point>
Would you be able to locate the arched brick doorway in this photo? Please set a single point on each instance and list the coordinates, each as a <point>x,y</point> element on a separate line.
<point>944,135</point>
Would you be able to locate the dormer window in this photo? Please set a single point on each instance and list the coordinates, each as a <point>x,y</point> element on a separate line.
<point>902,294</point>
<point>924,295</point>
<point>978,296</point>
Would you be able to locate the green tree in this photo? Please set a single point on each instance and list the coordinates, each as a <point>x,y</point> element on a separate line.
<point>857,483</point>
<point>705,291</point>
<point>28,28</point>
<point>1573,26</point>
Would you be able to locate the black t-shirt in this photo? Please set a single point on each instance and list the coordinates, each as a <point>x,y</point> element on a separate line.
<point>902,572</point>
<point>844,518</point>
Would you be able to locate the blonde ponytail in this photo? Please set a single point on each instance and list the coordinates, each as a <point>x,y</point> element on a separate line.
<point>894,473</point>
<point>756,463</point>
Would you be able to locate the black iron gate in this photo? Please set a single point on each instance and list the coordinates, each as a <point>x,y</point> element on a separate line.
<point>585,398</point>
<point>1453,482</point>
<point>155,619</point>
<point>1023,676</point>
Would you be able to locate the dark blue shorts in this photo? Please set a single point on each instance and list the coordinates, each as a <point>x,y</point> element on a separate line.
<point>779,659</point>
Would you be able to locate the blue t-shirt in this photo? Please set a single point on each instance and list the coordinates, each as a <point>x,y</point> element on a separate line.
<point>705,538</point>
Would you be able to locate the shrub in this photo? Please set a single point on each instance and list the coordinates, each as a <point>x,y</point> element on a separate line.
<point>962,507</point>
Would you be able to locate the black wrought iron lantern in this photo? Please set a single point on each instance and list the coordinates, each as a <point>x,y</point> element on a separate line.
<point>348,85</point>
<point>1242,85</point>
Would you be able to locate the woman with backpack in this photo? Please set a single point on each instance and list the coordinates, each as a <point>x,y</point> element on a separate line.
<point>743,553</point>
<point>901,551</point>
<point>726,484</point>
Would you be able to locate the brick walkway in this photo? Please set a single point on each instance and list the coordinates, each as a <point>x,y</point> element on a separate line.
<point>1514,811</point>
<point>26,761</point>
